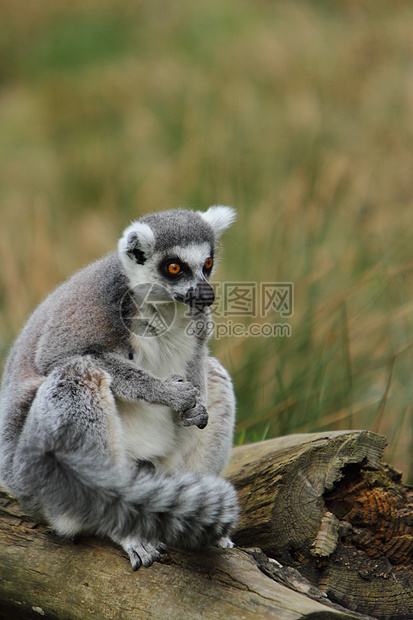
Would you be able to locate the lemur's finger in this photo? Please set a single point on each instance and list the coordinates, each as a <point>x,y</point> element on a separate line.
<point>197,416</point>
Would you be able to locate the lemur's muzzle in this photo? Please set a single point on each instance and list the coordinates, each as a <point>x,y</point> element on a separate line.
<point>200,296</point>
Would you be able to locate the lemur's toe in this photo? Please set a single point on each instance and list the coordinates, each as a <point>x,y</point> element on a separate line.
<point>225,542</point>
<point>143,553</point>
<point>135,560</point>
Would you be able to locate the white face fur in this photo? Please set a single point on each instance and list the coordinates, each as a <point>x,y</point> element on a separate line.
<point>178,268</point>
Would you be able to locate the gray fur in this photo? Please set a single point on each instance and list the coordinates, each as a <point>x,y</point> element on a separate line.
<point>98,432</point>
<point>178,227</point>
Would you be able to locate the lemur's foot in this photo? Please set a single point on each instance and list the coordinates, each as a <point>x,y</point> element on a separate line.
<point>142,553</point>
<point>225,543</point>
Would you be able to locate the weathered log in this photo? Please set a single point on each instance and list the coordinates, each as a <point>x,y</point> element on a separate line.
<point>324,505</point>
<point>305,500</point>
<point>43,576</point>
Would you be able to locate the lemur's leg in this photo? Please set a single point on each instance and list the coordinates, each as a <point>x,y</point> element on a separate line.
<point>83,433</point>
<point>72,418</point>
<point>210,447</point>
<point>70,465</point>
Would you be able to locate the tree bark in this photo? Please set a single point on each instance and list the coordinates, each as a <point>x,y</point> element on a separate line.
<point>43,576</point>
<point>324,505</point>
<point>319,504</point>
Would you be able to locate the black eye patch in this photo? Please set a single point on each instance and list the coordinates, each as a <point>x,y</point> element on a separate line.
<point>165,268</point>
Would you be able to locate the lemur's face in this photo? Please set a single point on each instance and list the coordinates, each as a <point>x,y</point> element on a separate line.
<point>185,271</point>
<point>175,250</point>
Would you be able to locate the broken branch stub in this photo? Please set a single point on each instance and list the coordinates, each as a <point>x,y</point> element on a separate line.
<point>323,504</point>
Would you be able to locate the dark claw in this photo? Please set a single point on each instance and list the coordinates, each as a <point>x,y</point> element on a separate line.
<point>145,554</point>
<point>135,560</point>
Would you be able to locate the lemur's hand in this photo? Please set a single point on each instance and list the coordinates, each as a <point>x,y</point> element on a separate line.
<point>180,394</point>
<point>196,416</point>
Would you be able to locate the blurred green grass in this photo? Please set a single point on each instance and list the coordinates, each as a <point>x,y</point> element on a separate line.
<point>297,113</point>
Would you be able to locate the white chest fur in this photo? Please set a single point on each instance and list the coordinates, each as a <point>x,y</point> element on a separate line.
<point>152,432</point>
<point>167,353</point>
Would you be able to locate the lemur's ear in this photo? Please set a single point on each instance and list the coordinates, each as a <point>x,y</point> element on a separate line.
<point>137,243</point>
<point>219,218</point>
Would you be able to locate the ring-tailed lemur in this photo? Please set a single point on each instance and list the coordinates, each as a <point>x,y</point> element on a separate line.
<point>107,386</point>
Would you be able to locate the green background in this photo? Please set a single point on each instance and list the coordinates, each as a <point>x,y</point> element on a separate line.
<point>299,114</point>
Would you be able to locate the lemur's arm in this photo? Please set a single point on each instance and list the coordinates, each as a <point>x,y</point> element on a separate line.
<point>196,372</point>
<point>196,375</point>
<point>132,383</point>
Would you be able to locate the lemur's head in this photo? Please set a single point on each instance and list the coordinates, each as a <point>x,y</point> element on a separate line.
<point>175,249</point>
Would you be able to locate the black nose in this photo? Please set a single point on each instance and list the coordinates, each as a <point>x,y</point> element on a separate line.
<point>200,296</point>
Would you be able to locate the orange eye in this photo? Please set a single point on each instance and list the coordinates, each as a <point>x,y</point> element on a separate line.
<point>208,264</point>
<point>174,269</point>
